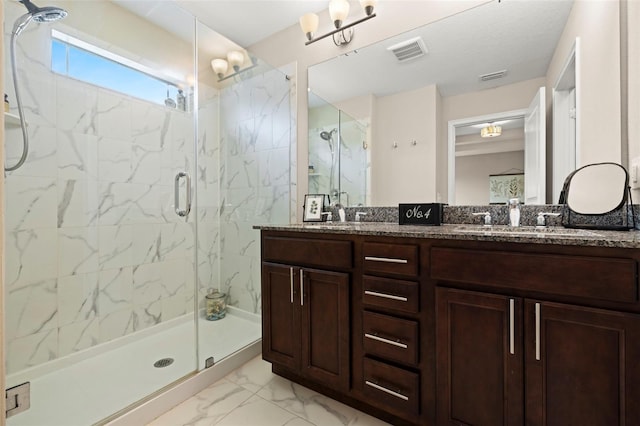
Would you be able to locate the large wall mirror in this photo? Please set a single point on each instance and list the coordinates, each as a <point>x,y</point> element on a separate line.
<point>463,108</point>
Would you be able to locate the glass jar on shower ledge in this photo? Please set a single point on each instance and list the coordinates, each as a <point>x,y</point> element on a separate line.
<point>216,305</point>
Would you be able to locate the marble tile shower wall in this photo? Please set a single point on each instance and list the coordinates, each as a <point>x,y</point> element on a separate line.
<point>94,250</point>
<point>256,184</point>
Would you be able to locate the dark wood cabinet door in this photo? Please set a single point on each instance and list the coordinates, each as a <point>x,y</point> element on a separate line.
<point>325,327</point>
<point>479,357</point>
<point>584,366</point>
<point>280,315</point>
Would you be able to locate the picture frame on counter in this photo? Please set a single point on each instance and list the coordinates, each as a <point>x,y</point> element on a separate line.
<point>313,207</point>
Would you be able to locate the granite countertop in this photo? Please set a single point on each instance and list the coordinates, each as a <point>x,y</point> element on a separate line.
<point>499,233</point>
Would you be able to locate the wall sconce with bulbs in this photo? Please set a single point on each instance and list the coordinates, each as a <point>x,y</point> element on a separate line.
<point>338,10</point>
<point>235,59</point>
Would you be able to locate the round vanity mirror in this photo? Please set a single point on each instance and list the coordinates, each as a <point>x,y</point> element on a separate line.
<point>597,188</point>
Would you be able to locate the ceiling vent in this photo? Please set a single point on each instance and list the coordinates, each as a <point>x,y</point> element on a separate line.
<point>409,49</point>
<point>493,75</point>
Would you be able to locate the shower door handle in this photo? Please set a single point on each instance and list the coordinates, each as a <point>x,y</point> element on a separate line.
<point>176,186</point>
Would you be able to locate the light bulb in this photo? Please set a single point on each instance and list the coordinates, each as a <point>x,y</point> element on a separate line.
<point>236,59</point>
<point>309,24</point>
<point>338,10</point>
<point>220,67</point>
<point>368,6</point>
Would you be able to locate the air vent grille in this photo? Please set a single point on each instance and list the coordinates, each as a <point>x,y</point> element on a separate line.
<point>493,75</point>
<point>409,49</point>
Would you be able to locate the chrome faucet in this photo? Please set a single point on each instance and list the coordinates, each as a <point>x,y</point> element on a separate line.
<point>514,212</point>
<point>487,217</point>
<point>359,216</point>
<point>542,221</point>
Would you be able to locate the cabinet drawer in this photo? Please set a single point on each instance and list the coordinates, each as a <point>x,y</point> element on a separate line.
<point>391,294</point>
<point>396,389</point>
<point>399,259</point>
<point>308,251</point>
<point>391,338</point>
<point>611,279</point>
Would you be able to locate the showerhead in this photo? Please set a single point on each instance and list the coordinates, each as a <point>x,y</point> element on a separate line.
<point>49,14</point>
<point>38,14</point>
<point>327,136</point>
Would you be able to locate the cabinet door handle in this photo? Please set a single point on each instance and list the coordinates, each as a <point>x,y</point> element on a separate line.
<point>512,348</point>
<point>383,340</point>
<point>301,287</point>
<point>385,259</point>
<point>386,296</point>
<point>537,332</point>
<point>291,281</point>
<point>389,391</point>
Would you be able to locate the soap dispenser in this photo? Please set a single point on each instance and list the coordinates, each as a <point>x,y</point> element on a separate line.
<point>181,101</point>
<point>514,212</point>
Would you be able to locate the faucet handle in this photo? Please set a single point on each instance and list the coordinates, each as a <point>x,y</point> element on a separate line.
<point>487,217</point>
<point>541,220</point>
<point>359,216</point>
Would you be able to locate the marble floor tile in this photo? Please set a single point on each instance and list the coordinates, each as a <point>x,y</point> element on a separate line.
<point>312,406</point>
<point>257,411</point>
<point>252,376</point>
<point>253,396</point>
<point>206,407</point>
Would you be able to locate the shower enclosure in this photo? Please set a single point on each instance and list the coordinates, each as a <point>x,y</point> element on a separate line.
<point>338,154</point>
<point>106,271</point>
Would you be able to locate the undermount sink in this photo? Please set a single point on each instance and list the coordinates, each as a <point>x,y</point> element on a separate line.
<point>533,231</point>
<point>340,224</point>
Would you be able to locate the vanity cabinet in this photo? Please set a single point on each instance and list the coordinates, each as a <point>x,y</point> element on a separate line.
<point>306,310</point>
<point>513,359</point>
<point>454,331</point>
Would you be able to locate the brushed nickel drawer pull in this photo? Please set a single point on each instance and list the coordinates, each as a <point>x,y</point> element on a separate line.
<point>385,259</point>
<point>301,287</point>
<point>512,349</point>
<point>291,279</point>
<point>387,341</point>
<point>537,332</point>
<point>389,391</point>
<point>386,296</point>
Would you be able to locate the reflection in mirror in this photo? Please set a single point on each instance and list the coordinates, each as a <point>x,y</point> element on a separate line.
<point>515,54</point>
<point>489,170</point>
<point>338,156</point>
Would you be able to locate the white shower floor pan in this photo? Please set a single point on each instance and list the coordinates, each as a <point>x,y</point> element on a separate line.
<point>94,388</point>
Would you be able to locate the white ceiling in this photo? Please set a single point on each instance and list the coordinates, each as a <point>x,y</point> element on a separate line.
<point>242,22</point>
<point>249,21</point>
<point>517,35</point>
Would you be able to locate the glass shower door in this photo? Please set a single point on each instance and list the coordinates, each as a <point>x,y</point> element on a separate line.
<point>244,168</point>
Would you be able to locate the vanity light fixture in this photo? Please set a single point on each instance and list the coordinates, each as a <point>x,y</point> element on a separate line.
<point>338,11</point>
<point>235,60</point>
<point>491,131</point>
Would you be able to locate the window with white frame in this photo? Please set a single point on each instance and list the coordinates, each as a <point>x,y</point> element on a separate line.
<point>85,62</point>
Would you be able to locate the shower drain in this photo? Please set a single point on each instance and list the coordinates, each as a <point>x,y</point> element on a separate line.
<point>164,362</point>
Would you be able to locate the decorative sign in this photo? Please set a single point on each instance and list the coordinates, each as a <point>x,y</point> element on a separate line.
<point>421,214</point>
